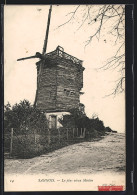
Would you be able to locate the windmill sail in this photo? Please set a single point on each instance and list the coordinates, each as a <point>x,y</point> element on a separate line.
<point>30,57</point>
<point>47,31</point>
<point>39,55</point>
<point>44,51</point>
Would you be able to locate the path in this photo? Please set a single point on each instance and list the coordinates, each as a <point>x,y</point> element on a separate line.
<point>107,154</point>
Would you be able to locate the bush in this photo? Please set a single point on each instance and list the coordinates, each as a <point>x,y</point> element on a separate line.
<point>27,122</point>
<point>78,119</point>
<point>24,146</point>
<point>24,118</point>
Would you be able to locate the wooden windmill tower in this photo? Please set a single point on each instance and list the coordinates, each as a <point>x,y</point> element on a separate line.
<point>59,81</point>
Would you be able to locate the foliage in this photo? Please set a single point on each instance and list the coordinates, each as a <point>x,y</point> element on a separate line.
<point>31,137</point>
<point>73,119</point>
<point>79,120</point>
<point>108,129</point>
<point>24,118</point>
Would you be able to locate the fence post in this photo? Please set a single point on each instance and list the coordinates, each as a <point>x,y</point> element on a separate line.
<point>67,133</point>
<point>11,142</point>
<point>49,140</point>
<point>81,131</point>
<point>59,135</point>
<point>84,132</point>
<point>73,132</point>
<point>35,139</point>
<point>77,132</point>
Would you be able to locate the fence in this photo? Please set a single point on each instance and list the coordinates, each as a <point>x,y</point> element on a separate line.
<point>32,144</point>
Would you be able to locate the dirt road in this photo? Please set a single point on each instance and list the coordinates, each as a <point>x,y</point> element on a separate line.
<point>108,154</point>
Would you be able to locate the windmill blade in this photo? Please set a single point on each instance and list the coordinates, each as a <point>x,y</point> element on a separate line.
<point>27,58</point>
<point>37,55</point>
<point>43,52</point>
<point>47,31</point>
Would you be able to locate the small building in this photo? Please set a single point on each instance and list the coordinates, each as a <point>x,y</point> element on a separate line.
<point>60,85</point>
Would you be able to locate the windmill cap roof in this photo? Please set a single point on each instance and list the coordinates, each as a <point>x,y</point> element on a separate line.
<point>59,51</point>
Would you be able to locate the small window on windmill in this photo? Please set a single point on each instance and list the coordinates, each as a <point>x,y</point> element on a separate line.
<point>66,91</point>
<point>72,92</point>
<point>69,92</point>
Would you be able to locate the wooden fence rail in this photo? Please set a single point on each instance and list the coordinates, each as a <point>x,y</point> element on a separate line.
<point>51,137</point>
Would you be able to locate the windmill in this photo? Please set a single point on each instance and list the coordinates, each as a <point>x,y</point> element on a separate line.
<point>59,81</point>
<point>39,55</point>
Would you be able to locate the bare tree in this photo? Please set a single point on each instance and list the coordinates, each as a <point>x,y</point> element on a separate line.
<point>96,17</point>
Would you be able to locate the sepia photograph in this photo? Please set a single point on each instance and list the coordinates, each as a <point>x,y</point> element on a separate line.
<point>64,98</point>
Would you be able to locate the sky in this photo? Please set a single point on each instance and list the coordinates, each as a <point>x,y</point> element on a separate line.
<point>24,33</point>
